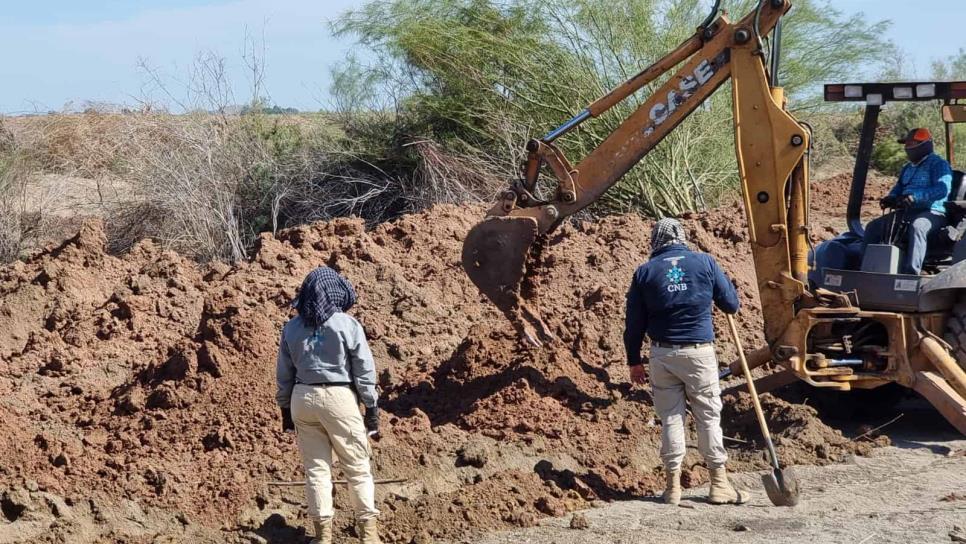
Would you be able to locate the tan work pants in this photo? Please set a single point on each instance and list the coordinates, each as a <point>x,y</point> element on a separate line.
<point>687,374</point>
<point>327,419</point>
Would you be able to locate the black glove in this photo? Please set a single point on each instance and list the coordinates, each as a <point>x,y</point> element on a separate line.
<point>287,423</point>
<point>906,201</point>
<point>888,202</point>
<point>371,420</point>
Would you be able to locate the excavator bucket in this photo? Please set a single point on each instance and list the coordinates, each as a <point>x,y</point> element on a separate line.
<point>495,256</point>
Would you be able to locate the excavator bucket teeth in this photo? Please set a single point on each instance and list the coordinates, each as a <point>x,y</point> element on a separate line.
<point>495,256</point>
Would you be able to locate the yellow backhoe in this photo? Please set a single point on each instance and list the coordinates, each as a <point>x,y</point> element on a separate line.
<point>828,324</point>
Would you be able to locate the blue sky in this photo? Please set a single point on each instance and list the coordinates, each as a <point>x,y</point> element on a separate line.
<point>55,52</point>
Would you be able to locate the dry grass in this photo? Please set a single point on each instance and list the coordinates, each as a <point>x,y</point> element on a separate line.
<point>207,185</point>
<point>10,239</point>
<point>443,177</point>
<point>195,183</point>
<point>83,145</point>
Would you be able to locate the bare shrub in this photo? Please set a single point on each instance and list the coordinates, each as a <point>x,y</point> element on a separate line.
<point>345,186</point>
<point>31,213</point>
<point>24,219</point>
<point>12,197</point>
<point>81,144</point>
<point>204,184</point>
<point>10,239</point>
<point>443,177</point>
<point>6,139</point>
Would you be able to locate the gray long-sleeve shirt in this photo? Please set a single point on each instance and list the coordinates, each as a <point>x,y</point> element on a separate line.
<point>335,352</point>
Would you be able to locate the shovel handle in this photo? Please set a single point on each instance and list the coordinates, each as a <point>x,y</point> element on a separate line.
<point>751,390</point>
<point>340,482</point>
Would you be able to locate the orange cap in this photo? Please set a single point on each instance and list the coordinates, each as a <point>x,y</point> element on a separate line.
<point>915,137</point>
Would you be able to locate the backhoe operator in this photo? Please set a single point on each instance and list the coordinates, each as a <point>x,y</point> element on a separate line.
<point>670,299</point>
<point>919,195</point>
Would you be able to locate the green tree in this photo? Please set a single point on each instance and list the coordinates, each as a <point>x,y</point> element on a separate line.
<point>480,77</point>
<point>952,68</point>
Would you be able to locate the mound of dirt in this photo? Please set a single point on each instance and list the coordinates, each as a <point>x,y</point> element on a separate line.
<point>146,380</point>
<point>829,198</point>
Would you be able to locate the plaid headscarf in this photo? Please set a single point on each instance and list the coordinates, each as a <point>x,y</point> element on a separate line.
<point>667,231</point>
<point>323,293</point>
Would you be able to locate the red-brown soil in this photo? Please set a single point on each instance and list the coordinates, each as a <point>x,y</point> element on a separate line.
<point>149,378</point>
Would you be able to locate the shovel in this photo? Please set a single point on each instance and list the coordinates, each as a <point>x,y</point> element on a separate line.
<point>781,484</point>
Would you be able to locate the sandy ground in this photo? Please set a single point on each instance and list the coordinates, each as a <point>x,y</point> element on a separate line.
<point>895,495</point>
<point>61,196</point>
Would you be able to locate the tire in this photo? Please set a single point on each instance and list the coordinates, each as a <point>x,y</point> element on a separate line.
<point>955,334</point>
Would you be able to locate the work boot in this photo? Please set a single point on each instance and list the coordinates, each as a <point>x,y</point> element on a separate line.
<point>369,532</point>
<point>323,532</point>
<point>672,489</point>
<point>722,491</point>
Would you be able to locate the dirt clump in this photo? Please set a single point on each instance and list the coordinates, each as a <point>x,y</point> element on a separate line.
<point>579,521</point>
<point>146,382</point>
<point>799,435</point>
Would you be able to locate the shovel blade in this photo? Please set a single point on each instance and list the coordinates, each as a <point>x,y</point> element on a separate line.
<point>781,485</point>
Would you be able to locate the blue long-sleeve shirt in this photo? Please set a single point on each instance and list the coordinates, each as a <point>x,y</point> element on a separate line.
<point>929,183</point>
<point>670,299</point>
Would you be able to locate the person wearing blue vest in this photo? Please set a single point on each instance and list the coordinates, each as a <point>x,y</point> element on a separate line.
<point>670,300</point>
<point>920,194</point>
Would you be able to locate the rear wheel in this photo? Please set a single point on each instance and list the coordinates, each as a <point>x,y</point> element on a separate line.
<point>956,332</point>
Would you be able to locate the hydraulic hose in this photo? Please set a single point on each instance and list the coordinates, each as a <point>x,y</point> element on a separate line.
<point>776,51</point>
<point>714,13</point>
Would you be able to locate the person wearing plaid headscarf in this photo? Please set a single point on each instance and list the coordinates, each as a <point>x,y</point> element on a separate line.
<point>670,300</point>
<point>324,369</point>
<point>667,232</point>
<point>323,293</point>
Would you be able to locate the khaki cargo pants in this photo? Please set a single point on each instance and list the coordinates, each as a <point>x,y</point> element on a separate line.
<point>327,420</point>
<point>687,374</point>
